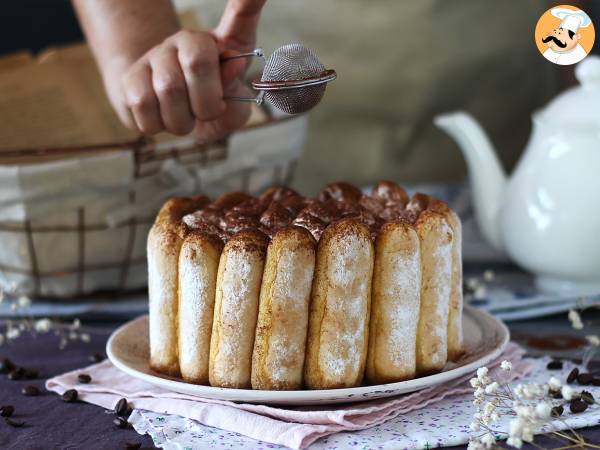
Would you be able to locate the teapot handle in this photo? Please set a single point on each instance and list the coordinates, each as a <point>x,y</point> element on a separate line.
<point>587,72</point>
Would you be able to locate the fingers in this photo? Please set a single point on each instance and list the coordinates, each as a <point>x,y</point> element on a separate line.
<point>170,87</point>
<point>199,58</point>
<point>236,115</point>
<point>179,85</point>
<point>238,24</point>
<point>141,98</point>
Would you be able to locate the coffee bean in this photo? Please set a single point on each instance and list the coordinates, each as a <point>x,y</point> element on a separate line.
<point>573,375</point>
<point>30,391</point>
<point>96,357</point>
<point>70,396</point>
<point>133,445</point>
<point>596,381</point>
<point>6,365</point>
<point>555,394</point>
<point>7,410</point>
<point>14,423</point>
<point>120,422</point>
<point>557,411</point>
<point>17,374</point>
<point>121,408</point>
<point>578,406</point>
<point>554,365</point>
<point>585,378</point>
<point>587,397</point>
<point>84,378</point>
<point>30,374</point>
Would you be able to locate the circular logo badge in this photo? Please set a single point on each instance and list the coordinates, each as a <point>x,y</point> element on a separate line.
<point>564,35</point>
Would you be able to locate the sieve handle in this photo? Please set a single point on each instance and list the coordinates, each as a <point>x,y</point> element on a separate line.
<point>256,52</point>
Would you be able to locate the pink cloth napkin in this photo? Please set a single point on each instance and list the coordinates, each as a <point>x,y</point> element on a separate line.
<point>295,427</point>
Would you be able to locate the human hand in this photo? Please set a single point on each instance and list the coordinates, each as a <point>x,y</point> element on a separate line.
<point>178,86</point>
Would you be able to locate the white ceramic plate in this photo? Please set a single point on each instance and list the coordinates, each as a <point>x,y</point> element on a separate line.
<point>485,339</point>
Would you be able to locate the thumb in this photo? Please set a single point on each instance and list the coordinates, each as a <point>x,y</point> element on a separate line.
<point>237,28</point>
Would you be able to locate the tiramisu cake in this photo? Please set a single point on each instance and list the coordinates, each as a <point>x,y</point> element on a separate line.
<point>288,292</point>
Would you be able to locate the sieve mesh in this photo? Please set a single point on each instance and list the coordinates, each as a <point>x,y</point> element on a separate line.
<point>294,62</point>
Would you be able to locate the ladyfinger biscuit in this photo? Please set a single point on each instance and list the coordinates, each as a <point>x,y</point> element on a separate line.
<point>455,331</point>
<point>279,348</point>
<point>436,238</point>
<point>164,242</point>
<point>338,331</point>
<point>395,305</point>
<point>198,266</point>
<point>236,309</point>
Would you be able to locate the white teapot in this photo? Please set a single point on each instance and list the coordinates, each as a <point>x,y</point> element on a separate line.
<point>546,216</point>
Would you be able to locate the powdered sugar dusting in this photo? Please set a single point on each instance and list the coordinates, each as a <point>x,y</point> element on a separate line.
<point>290,297</point>
<point>196,290</point>
<point>239,304</point>
<point>402,313</point>
<point>343,331</point>
<point>161,288</point>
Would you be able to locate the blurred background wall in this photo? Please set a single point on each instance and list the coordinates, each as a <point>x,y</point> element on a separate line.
<point>400,63</point>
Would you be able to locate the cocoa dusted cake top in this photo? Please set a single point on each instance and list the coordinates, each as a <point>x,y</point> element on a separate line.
<point>280,207</point>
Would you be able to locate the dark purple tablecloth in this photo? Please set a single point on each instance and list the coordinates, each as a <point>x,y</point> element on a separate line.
<point>50,422</point>
<point>53,424</point>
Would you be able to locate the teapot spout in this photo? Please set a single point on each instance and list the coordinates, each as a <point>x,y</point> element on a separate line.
<point>486,175</point>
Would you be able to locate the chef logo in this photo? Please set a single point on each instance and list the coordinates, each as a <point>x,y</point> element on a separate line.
<point>564,35</point>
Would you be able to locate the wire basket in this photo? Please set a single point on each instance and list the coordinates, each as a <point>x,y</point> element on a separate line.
<point>78,225</point>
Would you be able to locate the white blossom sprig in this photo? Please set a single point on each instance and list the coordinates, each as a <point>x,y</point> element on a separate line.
<point>530,406</point>
<point>28,324</point>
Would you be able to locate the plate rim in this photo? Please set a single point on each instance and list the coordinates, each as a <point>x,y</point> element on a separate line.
<point>307,396</point>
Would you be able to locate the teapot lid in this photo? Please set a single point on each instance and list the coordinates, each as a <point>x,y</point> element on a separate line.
<point>582,101</point>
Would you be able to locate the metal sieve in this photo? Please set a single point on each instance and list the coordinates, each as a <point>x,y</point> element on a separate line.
<point>293,79</point>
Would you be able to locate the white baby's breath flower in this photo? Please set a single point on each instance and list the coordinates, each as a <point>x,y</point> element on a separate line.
<point>593,340</point>
<point>518,390</point>
<point>474,426</point>
<point>24,302</point>
<point>488,440</point>
<point>531,391</point>
<point>515,427</point>
<point>85,337</point>
<point>13,333</point>
<point>494,417</point>
<point>554,383</point>
<point>479,393</point>
<point>527,434</point>
<point>472,283</point>
<point>474,382</point>
<point>43,325</point>
<point>524,411</point>
<point>489,408</point>
<point>482,372</point>
<point>489,275</point>
<point>73,336</point>
<point>506,365</point>
<point>480,293</point>
<point>542,410</point>
<point>475,444</point>
<point>575,319</point>
<point>514,442</point>
<point>76,324</point>
<point>492,388</point>
<point>567,392</point>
